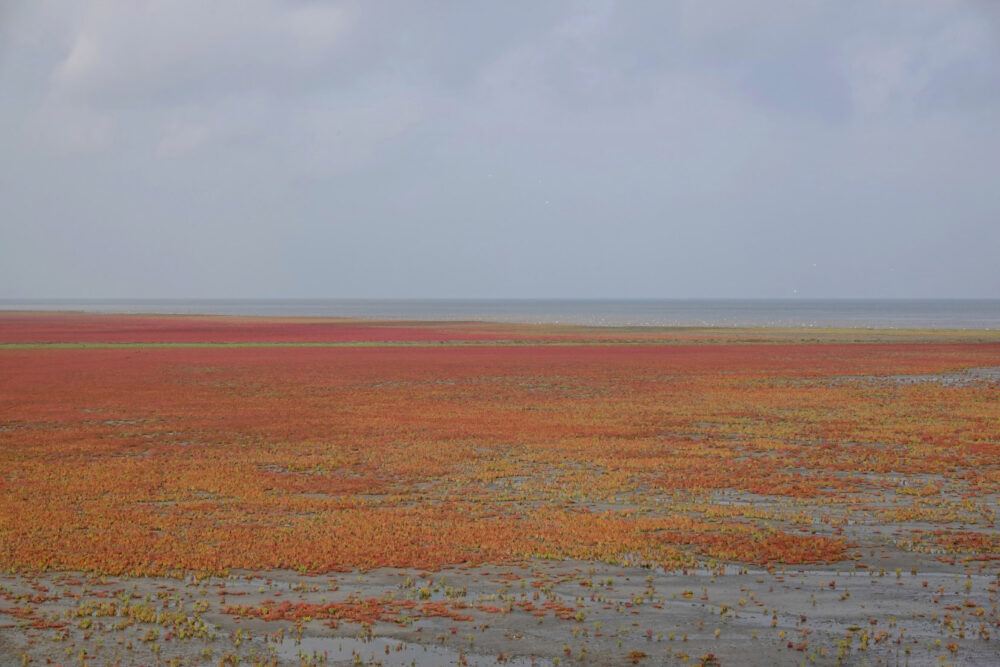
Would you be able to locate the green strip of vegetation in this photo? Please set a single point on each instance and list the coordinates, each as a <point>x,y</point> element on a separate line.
<point>721,340</point>
<point>245,344</point>
<point>348,344</point>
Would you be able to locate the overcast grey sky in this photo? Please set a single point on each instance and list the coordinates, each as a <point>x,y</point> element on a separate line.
<point>258,148</point>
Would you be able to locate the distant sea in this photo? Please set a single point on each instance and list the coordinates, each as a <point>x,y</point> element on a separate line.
<point>860,313</point>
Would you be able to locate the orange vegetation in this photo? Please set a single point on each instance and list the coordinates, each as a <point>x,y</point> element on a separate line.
<point>366,611</point>
<point>150,460</point>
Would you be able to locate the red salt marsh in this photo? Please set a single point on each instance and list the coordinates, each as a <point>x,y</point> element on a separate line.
<point>408,489</point>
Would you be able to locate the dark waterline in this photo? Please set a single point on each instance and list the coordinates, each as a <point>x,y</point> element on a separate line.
<point>892,313</point>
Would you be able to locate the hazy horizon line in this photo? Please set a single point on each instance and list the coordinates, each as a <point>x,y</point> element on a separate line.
<point>487,298</point>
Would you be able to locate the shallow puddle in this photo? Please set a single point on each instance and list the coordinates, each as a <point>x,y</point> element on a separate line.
<point>392,653</point>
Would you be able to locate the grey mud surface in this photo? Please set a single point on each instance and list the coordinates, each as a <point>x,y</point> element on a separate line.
<point>929,613</point>
<point>969,376</point>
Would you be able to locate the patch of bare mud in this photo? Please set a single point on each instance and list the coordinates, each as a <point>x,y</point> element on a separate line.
<point>539,613</point>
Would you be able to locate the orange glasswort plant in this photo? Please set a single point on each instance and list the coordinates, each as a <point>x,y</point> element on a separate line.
<point>447,444</point>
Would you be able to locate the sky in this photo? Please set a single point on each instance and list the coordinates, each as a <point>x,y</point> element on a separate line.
<point>660,149</point>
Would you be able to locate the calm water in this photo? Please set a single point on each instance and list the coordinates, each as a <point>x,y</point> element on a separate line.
<point>390,653</point>
<point>938,313</point>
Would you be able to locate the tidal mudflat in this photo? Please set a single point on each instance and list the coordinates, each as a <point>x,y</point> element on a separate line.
<point>222,490</point>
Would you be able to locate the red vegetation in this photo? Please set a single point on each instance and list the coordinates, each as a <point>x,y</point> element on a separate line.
<point>155,460</point>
